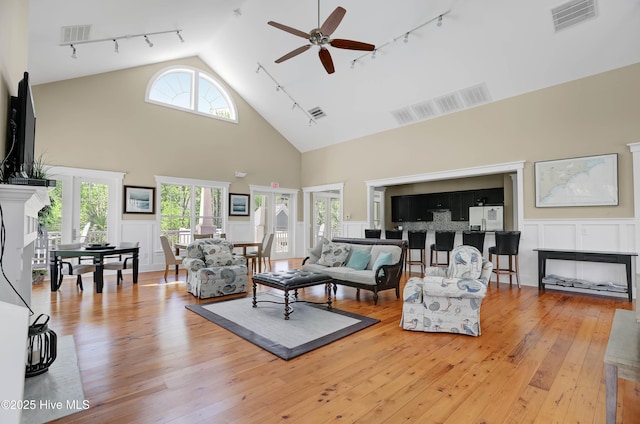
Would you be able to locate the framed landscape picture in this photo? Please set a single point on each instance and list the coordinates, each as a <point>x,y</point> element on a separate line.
<point>238,204</point>
<point>139,199</point>
<point>583,181</point>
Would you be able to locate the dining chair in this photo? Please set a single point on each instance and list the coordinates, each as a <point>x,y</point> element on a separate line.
<point>393,234</point>
<point>123,261</point>
<point>70,268</point>
<point>267,242</point>
<point>170,258</point>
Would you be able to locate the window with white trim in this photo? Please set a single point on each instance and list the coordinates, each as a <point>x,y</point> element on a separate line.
<point>190,207</point>
<point>191,90</point>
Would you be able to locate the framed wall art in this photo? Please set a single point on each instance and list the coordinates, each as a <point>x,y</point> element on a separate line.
<point>139,199</point>
<point>238,204</point>
<point>583,181</point>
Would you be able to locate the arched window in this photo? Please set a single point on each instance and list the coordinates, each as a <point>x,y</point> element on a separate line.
<point>191,90</point>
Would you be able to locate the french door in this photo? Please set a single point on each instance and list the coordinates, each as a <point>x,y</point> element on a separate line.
<point>275,211</point>
<point>86,206</point>
<point>327,213</point>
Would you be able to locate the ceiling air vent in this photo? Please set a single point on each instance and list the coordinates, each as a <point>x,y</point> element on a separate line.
<point>317,113</point>
<point>573,12</point>
<point>73,34</point>
<point>424,110</point>
<point>449,103</point>
<point>476,95</point>
<point>403,116</point>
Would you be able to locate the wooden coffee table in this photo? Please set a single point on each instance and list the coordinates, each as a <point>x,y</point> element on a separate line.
<point>292,280</point>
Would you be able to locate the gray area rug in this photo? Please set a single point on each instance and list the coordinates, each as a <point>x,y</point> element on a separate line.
<point>58,392</point>
<point>309,326</point>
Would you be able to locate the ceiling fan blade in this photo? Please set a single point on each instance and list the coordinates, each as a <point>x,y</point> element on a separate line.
<point>327,62</point>
<point>352,45</point>
<point>293,53</point>
<point>333,21</point>
<point>289,29</point>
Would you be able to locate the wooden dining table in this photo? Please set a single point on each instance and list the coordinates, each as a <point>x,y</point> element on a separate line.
<point>236,244</point>
<point>98,254</point>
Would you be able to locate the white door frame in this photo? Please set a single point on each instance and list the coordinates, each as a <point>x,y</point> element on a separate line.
<point>293,214</point>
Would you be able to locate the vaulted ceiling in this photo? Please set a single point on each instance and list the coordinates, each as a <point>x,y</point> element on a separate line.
<point>483,51</point>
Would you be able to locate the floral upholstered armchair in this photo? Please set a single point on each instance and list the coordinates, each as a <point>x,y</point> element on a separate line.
<point>448,299</point>
<point>213,270</point>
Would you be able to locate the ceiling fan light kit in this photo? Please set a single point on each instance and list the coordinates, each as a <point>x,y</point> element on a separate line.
<point>321,37</point>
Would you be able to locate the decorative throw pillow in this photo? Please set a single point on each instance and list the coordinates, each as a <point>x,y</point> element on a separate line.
<point>383,259</point>
<point>316,252</point>
<point>333,253</point>
<point>358,260</point>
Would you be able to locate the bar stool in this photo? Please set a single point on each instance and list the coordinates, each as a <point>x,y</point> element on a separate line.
<point>507,243</point>
<point>393,234</point>
<point>417,241</point>
<point>372,233</point>
<point>475,239</point>
<point>444,243</point>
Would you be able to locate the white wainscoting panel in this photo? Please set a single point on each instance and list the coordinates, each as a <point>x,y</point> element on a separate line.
<point>606,235</point>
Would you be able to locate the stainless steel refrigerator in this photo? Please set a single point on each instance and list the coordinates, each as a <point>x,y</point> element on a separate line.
<point>486,218</point>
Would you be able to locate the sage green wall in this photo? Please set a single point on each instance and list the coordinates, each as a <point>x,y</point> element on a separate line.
<point>14,41</point>
<point>591,116</point>
<point>102,122</point>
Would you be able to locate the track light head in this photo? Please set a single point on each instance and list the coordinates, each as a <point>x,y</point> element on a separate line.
<point>406,37</point>
<point>440,20</point>
<point>116,47</point>
<point>73,51</point>
<point>373,53</point>
<point>148,41</point>
<point>353,63</point>
<point>180,36</point>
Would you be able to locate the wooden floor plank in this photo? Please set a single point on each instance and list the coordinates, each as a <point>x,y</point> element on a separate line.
<point>145,358</point>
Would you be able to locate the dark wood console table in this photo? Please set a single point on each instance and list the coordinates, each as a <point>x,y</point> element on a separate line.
<point>625,258</point>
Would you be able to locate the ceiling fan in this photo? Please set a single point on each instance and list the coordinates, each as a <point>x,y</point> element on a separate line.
<point>321,37</point>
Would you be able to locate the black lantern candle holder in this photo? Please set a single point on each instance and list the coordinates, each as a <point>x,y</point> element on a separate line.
<point>41,347</point>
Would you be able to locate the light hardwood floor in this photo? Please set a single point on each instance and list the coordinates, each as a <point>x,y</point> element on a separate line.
<point>145,358</point>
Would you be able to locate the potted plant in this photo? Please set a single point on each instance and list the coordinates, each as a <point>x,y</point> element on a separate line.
<point>38,275</point>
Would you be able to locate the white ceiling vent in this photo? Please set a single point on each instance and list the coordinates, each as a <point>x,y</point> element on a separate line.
<point>424,110</point>
<point>73,34</point>
<point>403,116</point>
<point>449,103</point>
<point>317,113</point>
<point>573,12</point>
<point>476,95</point>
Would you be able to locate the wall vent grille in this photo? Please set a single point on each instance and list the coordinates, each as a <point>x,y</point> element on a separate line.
<point>317,113</point>
<point>73,34</point>
<point>476,95</point>
<point>573,12</point>
<point>449,103</point>
<point>424,110</point>
<point>403,116</point>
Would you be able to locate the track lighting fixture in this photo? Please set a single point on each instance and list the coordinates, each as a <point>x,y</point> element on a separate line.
<point>404,36</point>
<point>116,44</point>
<point>282,90</point>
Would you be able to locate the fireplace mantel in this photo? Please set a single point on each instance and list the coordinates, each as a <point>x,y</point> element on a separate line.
<point>20,206</point>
